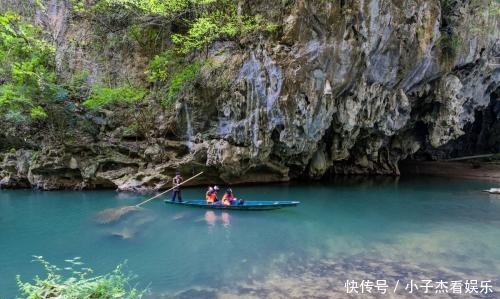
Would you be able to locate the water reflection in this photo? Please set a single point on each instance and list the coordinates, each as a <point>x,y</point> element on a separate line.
<point>210,218</point>
<point>226,218</point>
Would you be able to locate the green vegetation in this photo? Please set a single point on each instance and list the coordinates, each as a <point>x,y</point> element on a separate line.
<point>77,88</point>
<point>220,22</point>
<point>27,70</point>
<point>160,64</point>
<point>153,7</point>
<point>77,282</point>
<point>449,41</point>
<point>175,36</point>
<point>165,68</point>
<point>132,129</point>
<point>180,79</point>
<point>450,44</point>
<point>147,37</point>
<point>489,11</point>
<point>38,113</point>
<point>78,6</point>
<point>103,96</point>
<point>495,8</point>
<point>199,23</point>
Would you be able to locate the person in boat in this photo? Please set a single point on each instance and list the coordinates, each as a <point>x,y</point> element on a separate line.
<point>228,198</point>
<point>210,195</point>
<point>216,188</point>
<point>176,181</point>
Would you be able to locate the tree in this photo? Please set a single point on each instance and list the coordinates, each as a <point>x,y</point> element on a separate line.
<point>27,70</point>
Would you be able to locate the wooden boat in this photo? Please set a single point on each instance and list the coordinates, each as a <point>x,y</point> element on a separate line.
<point>247,205</point>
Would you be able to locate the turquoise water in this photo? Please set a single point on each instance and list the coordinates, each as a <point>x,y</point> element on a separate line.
<point>364,229</point>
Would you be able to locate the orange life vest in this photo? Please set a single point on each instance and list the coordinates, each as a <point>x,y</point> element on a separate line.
<point>211,197</point>
<point>227,199</point>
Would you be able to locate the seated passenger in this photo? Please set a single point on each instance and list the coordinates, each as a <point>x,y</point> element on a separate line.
<point>228,197</point>
<point>216,188</point>
<point>210,196</point>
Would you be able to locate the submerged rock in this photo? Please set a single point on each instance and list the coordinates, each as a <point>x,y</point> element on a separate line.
<point>124,222</point>
<point>326,278</point>
<point>115,214</point>
<point>124,233</point>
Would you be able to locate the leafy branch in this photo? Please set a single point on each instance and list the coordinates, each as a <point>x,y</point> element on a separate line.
<point>76,282</point>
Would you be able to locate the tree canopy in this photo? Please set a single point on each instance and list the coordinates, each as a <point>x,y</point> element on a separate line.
<point>27,70</point>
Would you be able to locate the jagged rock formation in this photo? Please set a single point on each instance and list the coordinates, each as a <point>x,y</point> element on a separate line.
<point>345,87</point>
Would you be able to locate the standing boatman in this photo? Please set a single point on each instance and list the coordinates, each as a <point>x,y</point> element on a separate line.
<point>177,190</point>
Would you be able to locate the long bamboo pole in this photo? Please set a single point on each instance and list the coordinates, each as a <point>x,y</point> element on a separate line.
<point>148,200</point>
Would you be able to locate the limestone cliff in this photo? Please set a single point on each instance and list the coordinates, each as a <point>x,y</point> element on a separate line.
<point>343,87</point>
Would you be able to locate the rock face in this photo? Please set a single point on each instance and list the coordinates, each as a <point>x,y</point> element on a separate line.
<point>344,87</point>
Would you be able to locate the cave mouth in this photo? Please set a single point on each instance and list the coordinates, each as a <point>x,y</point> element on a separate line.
<point>481,137</point>
<point>475,154</point>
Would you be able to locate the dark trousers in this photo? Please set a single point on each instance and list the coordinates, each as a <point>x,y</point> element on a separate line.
<point>177,193</point>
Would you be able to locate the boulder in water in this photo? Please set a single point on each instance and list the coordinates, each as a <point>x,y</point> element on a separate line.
<point>124,233</point>
<point>493,190</point>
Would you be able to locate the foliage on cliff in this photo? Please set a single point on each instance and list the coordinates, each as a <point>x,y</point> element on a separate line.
<point>102,96</point>
<point>27,70</point>
<point>29,81</point>
<point>41,92</point>
<point>198,24</point>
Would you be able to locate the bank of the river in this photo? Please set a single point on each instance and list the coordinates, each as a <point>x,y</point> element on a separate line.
<point>378,229</point>
<point>479,170</point>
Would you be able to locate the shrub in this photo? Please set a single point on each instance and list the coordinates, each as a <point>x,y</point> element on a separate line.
<point>180,79</point>
<point>78,283</point>
<point>450,44</point>
<point>78,86</point>
<point>160,65</point>
<point>38,113</point>
<point>103,96</point>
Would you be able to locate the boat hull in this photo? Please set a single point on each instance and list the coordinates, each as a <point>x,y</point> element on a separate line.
<point>247,206</point>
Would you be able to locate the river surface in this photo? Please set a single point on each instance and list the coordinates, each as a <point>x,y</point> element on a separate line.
<point>402,231</point>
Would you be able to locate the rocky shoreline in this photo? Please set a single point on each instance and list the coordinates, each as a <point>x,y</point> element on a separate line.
<point>24,169</point>
<point>487,171</point>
